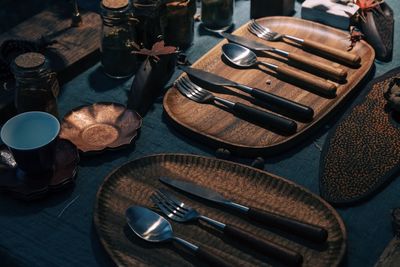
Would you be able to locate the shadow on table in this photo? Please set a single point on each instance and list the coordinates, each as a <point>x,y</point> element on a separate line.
<point>11,206</point>
<point>100,82</point>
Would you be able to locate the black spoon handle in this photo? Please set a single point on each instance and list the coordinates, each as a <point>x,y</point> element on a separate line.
<point>210,258</point>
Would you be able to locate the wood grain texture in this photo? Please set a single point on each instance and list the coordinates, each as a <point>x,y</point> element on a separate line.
<point>134,183</point>
<point>77,47</point>
<point>219,128</point>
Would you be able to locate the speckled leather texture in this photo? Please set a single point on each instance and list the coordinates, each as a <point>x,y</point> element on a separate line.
<point>361,154</point>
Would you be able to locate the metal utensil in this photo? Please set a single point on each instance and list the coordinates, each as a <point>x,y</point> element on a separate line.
<point>180,212</point>
<point>245,58</point>
<point>302,229</point>
<point>201,95</point>
<point>152,227</point>
<point>286,106</point>
<point>335,73</point>
<point>266,34</point>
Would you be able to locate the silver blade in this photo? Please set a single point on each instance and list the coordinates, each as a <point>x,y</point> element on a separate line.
<point>196,190</point>
<point>208,77</point>
<point>247,43</point>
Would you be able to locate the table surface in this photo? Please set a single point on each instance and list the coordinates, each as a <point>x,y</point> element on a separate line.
<point>42,233</point>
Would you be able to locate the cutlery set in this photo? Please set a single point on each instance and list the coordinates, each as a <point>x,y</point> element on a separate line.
<point>239,53</point>
<point>152,227</point>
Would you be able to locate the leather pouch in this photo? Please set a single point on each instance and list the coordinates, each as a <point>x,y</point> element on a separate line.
<point>152,76</point>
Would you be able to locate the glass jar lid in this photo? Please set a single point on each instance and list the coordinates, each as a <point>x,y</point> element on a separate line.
<point>115,4</point>
<point>30,60</point>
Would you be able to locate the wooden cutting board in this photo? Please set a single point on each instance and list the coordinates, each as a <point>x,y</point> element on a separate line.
<point>219,128</point>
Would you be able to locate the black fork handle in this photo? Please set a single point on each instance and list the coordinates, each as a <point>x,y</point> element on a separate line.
<point>264,118</point>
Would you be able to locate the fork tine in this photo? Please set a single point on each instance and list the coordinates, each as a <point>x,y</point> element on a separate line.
<point>171,212</point>
<point>259,26</point>
<point>255,30</point>
<point>172,198</point>
<point>195,89</point>
<point>188,90</point>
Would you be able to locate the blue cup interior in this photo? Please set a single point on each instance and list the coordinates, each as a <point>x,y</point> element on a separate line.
<point>30,130</point>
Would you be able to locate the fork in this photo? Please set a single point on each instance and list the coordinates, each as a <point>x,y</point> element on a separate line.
<point>181,212</point>
<point>201,95</point>
<point>266,34</point>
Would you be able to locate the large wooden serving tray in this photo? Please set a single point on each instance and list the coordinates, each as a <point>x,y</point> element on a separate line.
<point>134,183</point>
<point>220,128</point>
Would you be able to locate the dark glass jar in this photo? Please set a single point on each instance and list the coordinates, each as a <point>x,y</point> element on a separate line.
<point>177,22</point>
<point>148,28</point>
<point>217,15</point>
<point>117,39</point>
<point>36,85</point>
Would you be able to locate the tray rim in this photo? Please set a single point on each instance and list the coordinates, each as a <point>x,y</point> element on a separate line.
<point>277,147</point>
<point>110,251</point>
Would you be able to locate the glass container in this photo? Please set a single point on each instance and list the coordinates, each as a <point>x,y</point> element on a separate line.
<point>177,22</point>
<point>36,85</point>
<point>216,15</point>
<point>117,39</point>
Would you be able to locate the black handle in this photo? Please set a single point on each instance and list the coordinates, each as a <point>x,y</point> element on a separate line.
<point>264,118</point>
<point>290,257</point>
<point>292,108</point>
<point>308,231</point>
<point>210,258</point>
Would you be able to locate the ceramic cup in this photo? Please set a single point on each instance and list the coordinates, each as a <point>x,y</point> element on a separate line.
<point>31,137</point>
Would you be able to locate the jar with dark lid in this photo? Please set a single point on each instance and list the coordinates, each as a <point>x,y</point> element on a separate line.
<point>177,22</point>
<point>36,85</point>
<point>118,39</point>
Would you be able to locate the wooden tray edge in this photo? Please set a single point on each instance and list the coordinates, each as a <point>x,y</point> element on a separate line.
<point>96,220</point>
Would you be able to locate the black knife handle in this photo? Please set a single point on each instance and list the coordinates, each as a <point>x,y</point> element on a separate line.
<point>264,118</point>
<point>210,258</point>
<point>302,229</point>
<point>293,108</point>
<point>274,250</point>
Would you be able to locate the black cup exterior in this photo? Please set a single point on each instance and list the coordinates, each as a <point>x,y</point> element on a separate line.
<point>36,161</point>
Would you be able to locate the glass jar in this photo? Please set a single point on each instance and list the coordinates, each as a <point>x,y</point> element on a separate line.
<point>148,28</point>
<point>36,85</point>
<point>216,15</point>
<point>177,22</point>
<point>117,39</point>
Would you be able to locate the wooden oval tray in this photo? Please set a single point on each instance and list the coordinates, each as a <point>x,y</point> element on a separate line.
<point>220,128</point>
<point>134,182</point>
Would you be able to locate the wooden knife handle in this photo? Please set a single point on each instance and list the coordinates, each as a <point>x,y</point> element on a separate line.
<point>302,229</point>
<point>344,56</point>
<point>336,73</point>
<point>269,248</point>
<point>316,83</point>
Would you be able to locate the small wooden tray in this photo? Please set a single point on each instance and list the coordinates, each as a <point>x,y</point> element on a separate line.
<point>220,128</point>
<point>134,183</point>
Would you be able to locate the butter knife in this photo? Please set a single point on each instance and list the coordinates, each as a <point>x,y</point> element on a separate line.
<point>302,229</point>
<point>338,74</point>
<point>285,106</point>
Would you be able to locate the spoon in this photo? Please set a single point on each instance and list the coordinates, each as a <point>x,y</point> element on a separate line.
<point>245,58</point>
<point>152,227</point>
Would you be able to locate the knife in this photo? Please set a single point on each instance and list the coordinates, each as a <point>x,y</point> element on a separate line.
<point>305,230</point>
<point>336,73</point>
<point>290,108</point>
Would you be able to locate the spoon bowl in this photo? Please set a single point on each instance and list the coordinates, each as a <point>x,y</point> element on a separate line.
<point>148,225</point>
<point>239,55</point>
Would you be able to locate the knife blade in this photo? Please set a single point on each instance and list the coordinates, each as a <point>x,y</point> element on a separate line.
<point>338,74</point>
<point>281,104</point>
<point>254,45</point>
<point>305,230</point>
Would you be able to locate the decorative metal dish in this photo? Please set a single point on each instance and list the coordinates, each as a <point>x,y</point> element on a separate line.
<point>100,126</point>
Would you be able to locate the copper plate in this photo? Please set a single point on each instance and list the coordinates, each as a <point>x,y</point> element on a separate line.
<point>100,126</point>
<point>134,182</point>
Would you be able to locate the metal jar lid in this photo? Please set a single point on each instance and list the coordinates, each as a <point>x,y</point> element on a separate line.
<point>30,60</point>
<point>115,4</point>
